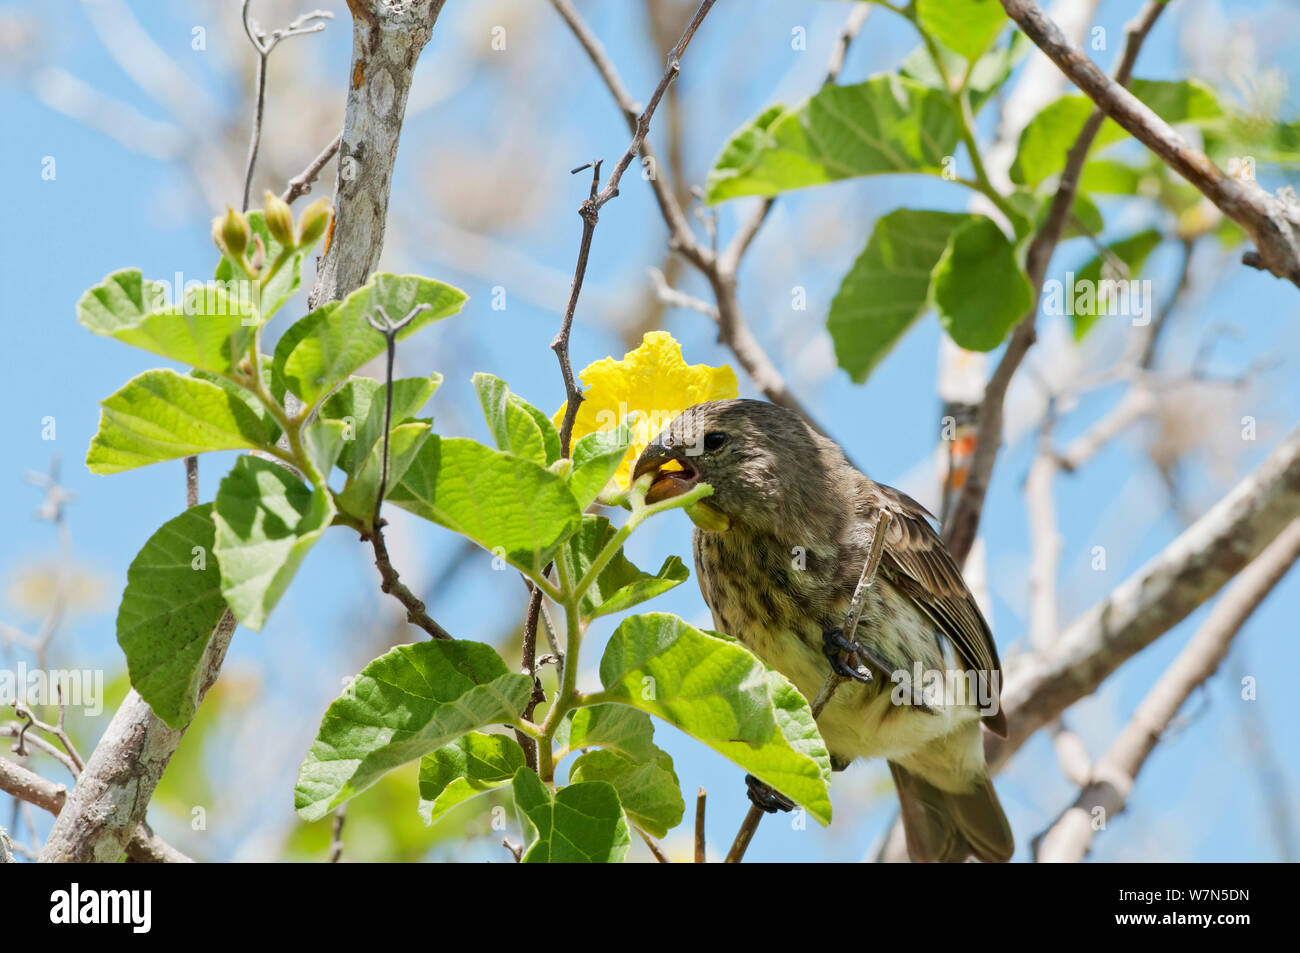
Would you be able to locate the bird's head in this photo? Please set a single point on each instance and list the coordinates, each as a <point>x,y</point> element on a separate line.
<point>763,461</point>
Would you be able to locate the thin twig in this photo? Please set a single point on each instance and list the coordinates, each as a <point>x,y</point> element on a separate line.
<point>719,269</point>
<point>746,834</point>
<point>336,837</point>
<point>590,212</point>
<point>655,849</point>
<point>263,44</point>
<point>701,848</point>
<point>301,183</point>
<point>391,581</point>
<point>57,731</point>
<point>874,554</point>
<point>16,731</point>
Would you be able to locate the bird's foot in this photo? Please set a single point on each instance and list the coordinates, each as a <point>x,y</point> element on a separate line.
<point>765,797</point>
<point>835,644</point>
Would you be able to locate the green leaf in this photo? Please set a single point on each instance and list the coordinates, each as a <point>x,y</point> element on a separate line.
<point>979,289</point>
<point>581,823</point>
<point>405,704</point>
<point>507,505</point>
<point>335,340</point>
<point>616,727</point>
<point>323,440</point>
<point>966,27</point>
<point>248,398</point>
<point>595,461</point>
<point>550,436</point>
<point>648,790</point>
<point>1110,177</point>
<point>169,610</point>
<point>358,494</point>
<point>284,285</point>
<point>888,287</point>
<point>513,428</point>
<point>1049,136</point>
<point>886,124</point>
<point>1084,311</point>
<point>620,585</point>
<point>720,694</point>
<point>161,415</point>
<point>473,764</point>
<point>267,519</point>
<point>211,328</point>
<point>359,403</point>
<point>989,73</point>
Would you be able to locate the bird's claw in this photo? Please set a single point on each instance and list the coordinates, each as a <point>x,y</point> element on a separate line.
<point>835,645</point>
<point>765,797</point>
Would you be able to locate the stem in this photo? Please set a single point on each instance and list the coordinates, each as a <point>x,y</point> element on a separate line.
<point>962,102</point>
<point>564,698</point>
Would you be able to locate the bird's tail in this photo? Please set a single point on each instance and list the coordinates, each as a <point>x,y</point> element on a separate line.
<point>943,827</point>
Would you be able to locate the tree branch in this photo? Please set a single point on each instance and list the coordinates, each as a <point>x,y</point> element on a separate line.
<point>301,183</point>
<point>1111,780</point>
<point>100,818</point>
<point>718,270</point>
<point>1272,223</point>
<point>386,42</point>
<point>963,521</point>
<point>1187,573</point>
<point>144,846</point>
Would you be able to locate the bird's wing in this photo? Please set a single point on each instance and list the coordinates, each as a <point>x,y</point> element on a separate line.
<point>926,572</point>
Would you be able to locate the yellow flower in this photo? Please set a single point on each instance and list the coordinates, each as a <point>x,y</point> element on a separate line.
<point>655,380</point>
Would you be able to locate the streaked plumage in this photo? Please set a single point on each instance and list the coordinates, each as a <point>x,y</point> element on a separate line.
<point>801,519</point>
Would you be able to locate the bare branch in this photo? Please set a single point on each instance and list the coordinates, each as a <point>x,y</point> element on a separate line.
<point>1272,222</point>
<point>108,804</point>
<point>596,200</point>
<point>718,269</point>
<point>391,580</point>
<point>743,836</point>
<point>301,183</point>
<point>1188,572</point>
<point>654,846</point>
<point>963,519</point>
<point>336,835</point>
<point>1112,779</point>
<point>701,848</point>
<point>679,299</point>
<point>877,548</point>
<point>263,45</point>
<point>144,846</point>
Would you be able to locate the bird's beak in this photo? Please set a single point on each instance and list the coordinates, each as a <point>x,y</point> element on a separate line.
<point>674,474</point>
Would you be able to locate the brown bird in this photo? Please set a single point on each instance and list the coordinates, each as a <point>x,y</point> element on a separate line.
<point>799,520</point>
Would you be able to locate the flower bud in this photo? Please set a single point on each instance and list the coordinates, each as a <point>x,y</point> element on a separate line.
<point>230,232</point>
<point>279,220</point>
<point>315,219</point>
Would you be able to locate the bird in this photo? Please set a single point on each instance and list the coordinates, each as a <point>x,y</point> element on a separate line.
<point>779,552</point>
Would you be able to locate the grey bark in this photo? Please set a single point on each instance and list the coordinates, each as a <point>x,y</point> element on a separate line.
<point>387,37</point>
<point>1111,780</point>
<point>1185,575</point>
<point>107,805</point>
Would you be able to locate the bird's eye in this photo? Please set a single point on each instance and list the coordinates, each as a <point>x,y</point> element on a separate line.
<point>714,439</point>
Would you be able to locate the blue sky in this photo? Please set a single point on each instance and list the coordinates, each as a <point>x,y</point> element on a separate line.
<point>1199,797</point>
